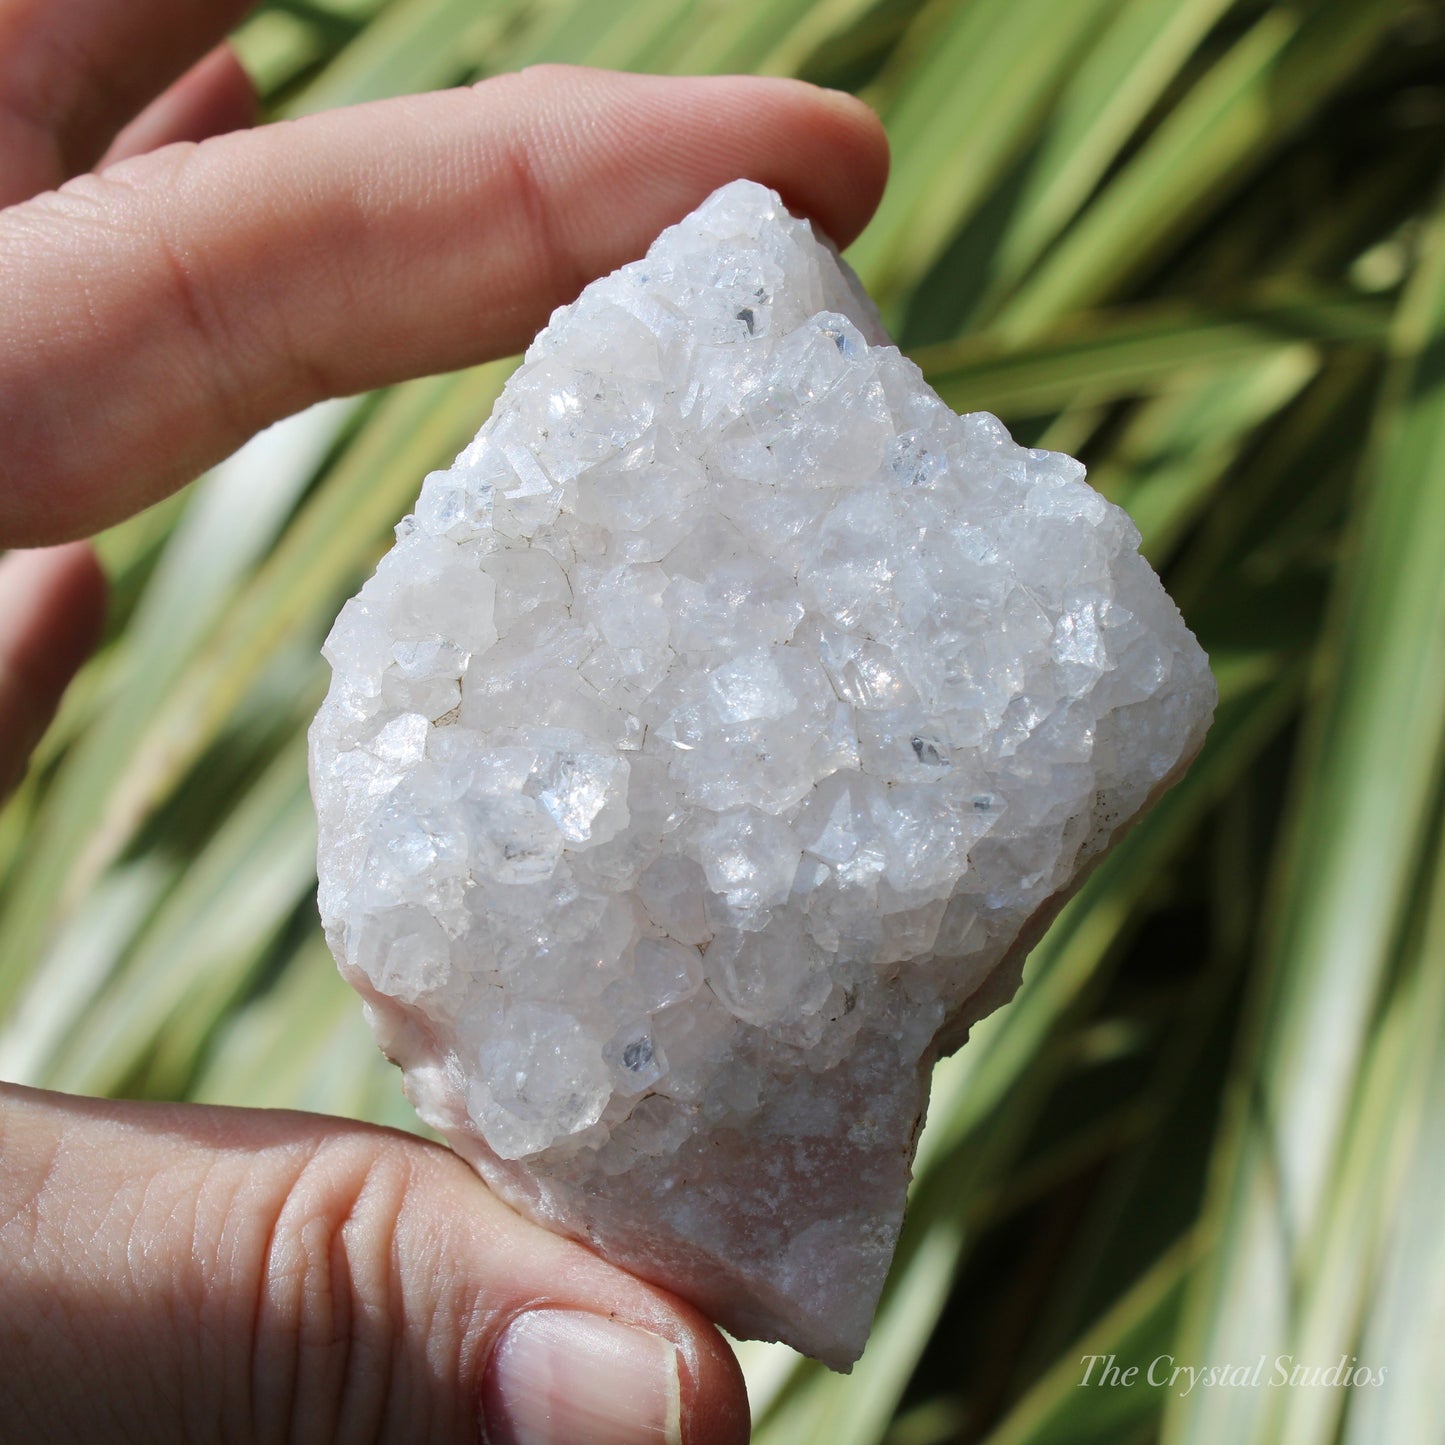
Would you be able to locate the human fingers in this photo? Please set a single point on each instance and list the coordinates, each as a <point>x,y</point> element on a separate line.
<point>214,96</point>
<point>52,607</point>
<point>178,1272</point>
<point>164,311</point>
<point>73,72</point>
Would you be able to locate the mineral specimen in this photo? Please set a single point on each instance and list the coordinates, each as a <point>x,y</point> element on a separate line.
<point>722,729</point>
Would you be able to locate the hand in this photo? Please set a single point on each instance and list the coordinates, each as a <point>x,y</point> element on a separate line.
<point>175,1272</point>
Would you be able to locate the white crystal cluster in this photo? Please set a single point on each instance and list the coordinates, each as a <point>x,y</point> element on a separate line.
<point>718,724</point>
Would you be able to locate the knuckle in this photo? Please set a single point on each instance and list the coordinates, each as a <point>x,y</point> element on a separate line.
<point>27,1198</point>
<point>131,217</point>
<point>526,171</point>
<point>122,202</point>
<point>146,190</point>
<point>339,1344</point>
<point>533,195</point>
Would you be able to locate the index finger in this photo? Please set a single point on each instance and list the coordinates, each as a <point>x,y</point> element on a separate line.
<point>167,309</point>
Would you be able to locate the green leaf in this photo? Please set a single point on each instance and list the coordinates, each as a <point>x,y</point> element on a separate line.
<point>200,949</point>
<point>1236,114</point>
<point>965,93</point>
<point>1137,57</point>
<point>1139,351</point>
<point>1403,1320</point>
<point>1062,1409</point>
<point>413,45</point>
<point>1367,791</point>
<point>102,789</point>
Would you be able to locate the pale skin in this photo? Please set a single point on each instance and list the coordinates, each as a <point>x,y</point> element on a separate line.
<point>173,281</point>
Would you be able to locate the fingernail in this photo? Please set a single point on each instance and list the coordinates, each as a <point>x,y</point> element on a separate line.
<point>844,98</point>
<point>561,1377</point>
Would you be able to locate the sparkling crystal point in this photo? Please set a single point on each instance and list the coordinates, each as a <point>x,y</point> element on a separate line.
<point>706,753</point>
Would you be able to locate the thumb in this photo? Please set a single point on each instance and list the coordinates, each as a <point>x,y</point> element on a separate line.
<point>178,1272</point>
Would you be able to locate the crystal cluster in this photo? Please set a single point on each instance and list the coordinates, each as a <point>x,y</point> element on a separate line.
<point>721,729</point>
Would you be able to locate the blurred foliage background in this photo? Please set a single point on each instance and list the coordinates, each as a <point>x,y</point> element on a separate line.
<point>1201,244</point>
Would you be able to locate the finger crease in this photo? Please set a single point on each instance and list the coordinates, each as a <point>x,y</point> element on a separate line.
<point>202,320</point>
<point>557,260</point>
<point>263,1387</point>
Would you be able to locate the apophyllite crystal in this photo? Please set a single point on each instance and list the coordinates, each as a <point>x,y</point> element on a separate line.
<point>722,728</point>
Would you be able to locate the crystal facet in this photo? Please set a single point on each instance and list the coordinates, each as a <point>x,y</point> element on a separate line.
<point>720,732</point>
